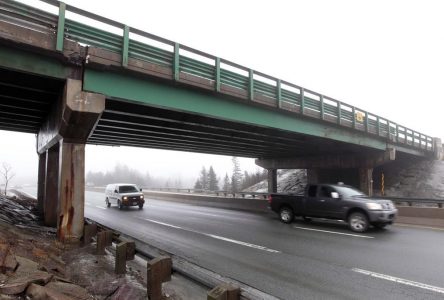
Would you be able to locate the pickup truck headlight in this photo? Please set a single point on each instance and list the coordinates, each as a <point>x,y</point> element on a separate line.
<point>374,206</point>
<point>125,198</point>
<point>141,197</point>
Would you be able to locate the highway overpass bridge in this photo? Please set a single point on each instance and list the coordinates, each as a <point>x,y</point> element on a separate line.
<point>72,83</point>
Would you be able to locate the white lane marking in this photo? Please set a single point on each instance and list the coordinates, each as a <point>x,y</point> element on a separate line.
<point>336,232</point>
<point>242,243</point>
<point>164,224</point>
<point>101,207</point>
<point>216,237</point>
<point>401,280</point>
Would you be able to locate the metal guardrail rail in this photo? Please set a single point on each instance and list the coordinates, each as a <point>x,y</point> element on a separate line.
<point>194,67</point>
<point>207,192</point>
<point>411,201</point>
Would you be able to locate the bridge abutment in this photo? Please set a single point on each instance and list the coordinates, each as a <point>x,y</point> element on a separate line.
<point>355,170</point>
<point>272,180</point>
<point>61,143</point>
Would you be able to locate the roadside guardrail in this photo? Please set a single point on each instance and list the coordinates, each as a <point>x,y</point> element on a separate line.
<point>411,201</point>
<point>240,194</point>
<point>179,265</point>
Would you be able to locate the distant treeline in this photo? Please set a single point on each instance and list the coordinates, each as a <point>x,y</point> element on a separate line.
<point>207,179</point>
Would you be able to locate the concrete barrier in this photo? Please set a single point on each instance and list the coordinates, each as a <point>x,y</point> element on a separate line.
<point>421,212</point>
<point>248,204</point>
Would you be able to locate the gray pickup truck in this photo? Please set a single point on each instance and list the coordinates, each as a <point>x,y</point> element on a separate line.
<point>335,201</point>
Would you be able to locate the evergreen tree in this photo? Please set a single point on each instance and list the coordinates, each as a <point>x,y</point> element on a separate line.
<point>204,178</point>
<point>213,182</point>
<point>202,181</point>
<point>236,177</point>
<point>198,185</point>
<point>227,185</point>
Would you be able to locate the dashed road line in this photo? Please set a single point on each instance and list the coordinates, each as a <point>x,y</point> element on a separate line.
<point>242,243</point>
<point>164,224</point>
<point>401,280</point>
<point>335,232</point>
<point>263,248</point>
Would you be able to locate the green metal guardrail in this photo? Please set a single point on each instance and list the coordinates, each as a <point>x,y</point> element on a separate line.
<point>222,76</point>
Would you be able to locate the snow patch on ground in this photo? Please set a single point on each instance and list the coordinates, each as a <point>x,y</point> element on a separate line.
<point>288,181</point>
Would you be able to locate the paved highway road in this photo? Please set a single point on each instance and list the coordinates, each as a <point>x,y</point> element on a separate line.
<point>299,261</point>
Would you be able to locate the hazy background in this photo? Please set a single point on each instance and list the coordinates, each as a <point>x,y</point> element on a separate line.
<point>382,56</point>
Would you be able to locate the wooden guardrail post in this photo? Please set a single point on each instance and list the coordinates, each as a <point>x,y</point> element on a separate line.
<point>109,237</point>
<point>224,292</point>
<point>120,264</point>
<point>101,243</point>
<point>130,250</point>
<point>158,271</point>
<point>89,231</point>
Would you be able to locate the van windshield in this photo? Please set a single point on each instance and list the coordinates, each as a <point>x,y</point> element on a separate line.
<point>128,189</point>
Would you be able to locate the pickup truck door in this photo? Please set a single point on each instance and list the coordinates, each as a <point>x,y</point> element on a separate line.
<point>328,206</point>
<point>312,202</point>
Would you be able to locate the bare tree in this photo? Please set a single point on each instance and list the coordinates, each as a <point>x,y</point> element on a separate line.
<point>7,174</point>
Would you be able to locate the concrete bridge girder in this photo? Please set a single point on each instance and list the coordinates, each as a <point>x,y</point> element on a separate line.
<point>61,148</point>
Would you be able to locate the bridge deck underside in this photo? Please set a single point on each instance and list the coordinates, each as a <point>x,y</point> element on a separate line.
<point>128,124</point>
<point>25,100</point>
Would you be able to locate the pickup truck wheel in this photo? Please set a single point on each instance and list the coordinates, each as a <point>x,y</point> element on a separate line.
<point>119,204</point>
<point>358,222</point>
<point>108,204</point>
<point>286,214</point>
<point>141,206</point>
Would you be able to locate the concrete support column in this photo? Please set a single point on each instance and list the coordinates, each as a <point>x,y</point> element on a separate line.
<point>312,176</point>
<point>272,180</point>
<point>51,194</point>
<point>366,180</point>
<point>72,192</point>
<point>68,127</point>
<point>41,182</point>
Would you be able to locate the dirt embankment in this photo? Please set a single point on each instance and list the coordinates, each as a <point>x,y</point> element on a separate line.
<point>34,265</point>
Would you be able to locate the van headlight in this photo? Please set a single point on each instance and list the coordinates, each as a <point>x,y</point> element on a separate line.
<point>141,197</point>
<point>374,206</point>
<point>125,198</point>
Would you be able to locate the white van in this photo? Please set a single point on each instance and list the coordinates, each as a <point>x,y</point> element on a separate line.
<point>124,194</point>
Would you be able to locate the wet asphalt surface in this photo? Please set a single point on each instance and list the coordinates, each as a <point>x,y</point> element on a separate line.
<point>316,260</point>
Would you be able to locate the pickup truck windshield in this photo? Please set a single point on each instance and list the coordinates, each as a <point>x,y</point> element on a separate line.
<point>128,189</point>
<point>345,191</point>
